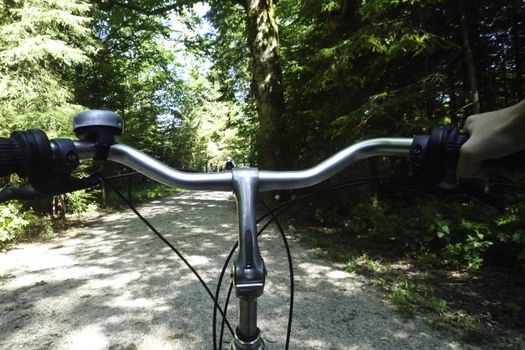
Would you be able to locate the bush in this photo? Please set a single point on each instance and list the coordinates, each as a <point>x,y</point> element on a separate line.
<point>17,224</point>
<point>81,201</point>
<point>457,231</point>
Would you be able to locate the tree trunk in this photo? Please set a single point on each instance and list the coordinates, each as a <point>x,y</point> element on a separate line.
<point>469,61</point>
<point>59,207</point>
<point>267,84</point>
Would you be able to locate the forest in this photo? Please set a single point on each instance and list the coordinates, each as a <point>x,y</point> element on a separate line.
<point>279,84</point>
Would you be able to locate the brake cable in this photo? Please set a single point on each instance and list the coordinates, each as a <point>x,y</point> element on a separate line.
<point>163,239</point>
<point>290,271</point>
<point>405,182</point>
<point>274,214</point>
<point>215,298</point>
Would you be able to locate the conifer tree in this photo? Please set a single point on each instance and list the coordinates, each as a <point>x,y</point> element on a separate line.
<point>42,43</point>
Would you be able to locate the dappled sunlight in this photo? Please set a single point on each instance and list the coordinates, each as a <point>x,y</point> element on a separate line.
<point>197,260</point>
<point>154,342</point>
<point>337,274</point>
<point>34,256</point>
<point>116,280</point>
<point>132,292</point>
<point>126,300</point>
<point>90,337</point>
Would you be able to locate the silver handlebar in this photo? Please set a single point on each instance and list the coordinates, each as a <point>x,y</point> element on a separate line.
<point>268,180</point>
<point>249,271</point>
<point>287,180</point>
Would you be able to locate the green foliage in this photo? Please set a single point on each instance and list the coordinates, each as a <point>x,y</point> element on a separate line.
<point>17,224</point>
<point>80,201</point>
<point>445,231</point>
<point>153,70</point>
<point>42,44</point>
<point>407,295</point>
<point>470,251</point>
<point>355,70</point>
<point>351,70</point>
<point>141,193</point>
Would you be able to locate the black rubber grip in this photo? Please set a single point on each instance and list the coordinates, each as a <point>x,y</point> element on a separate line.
<point>431,155</point>
<point>25,153</point>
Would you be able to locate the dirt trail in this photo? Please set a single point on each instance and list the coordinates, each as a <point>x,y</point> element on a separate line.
<point>113,285</point>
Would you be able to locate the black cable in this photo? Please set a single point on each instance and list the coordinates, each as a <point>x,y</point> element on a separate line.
<point>290,271</point>
<point>163,239</point>
<point>217,292</point>
<point>270,212</point>
<point>331,187</point>
<point>283,208</point>
<point>225,313</point>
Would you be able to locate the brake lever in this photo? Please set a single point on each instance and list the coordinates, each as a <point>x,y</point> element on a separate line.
<point>26,192</point>
<point>52,186</point>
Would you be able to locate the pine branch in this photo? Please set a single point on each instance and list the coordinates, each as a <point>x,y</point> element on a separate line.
<point>147,12</point>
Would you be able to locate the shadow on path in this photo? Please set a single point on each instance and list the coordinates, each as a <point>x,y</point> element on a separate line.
<point>114,285</point>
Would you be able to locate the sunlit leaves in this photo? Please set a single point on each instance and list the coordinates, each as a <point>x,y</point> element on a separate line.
<point>42,42</point>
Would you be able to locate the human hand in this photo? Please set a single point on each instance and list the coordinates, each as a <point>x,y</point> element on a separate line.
<point>493,135</point>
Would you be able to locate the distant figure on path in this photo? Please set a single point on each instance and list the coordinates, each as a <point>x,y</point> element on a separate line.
<point>229,164</point>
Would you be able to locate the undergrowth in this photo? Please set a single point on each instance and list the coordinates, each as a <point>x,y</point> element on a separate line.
<point>483,307</point>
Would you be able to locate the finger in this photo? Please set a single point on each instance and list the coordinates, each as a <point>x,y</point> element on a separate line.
<point>469,163</point>
<point>468,126</point>
<point>470,169</point>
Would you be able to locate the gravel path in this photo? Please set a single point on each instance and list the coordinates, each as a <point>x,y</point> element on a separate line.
<point>113,285</point>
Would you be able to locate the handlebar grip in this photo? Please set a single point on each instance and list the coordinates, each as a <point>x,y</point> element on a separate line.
<point>431,155</point>
<point>25,153</point>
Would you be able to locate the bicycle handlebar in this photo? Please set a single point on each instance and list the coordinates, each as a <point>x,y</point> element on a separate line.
<point>287,180</point>
<point>268,180</point>
<point>30,154</point>
<point>49,164</point>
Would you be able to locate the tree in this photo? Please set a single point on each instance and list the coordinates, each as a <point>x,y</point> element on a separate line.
<point>256,36</point>
<point>469,59</point>
<point>262,37</point>
<point>42,44</point>
<point>150,70</point>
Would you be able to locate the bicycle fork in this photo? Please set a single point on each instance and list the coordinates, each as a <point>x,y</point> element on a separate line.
<point>249,272</point>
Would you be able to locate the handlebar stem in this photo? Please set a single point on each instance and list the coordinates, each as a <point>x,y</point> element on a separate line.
<point>248,271</point>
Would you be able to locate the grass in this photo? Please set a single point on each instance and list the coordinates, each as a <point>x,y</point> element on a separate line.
<point>483,308</point>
